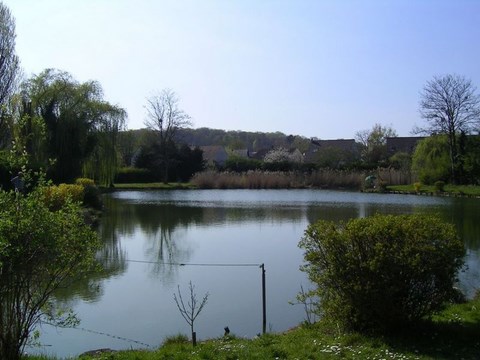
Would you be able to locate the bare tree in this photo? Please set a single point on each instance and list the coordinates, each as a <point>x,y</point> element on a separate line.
<point>165,118</point>
<point>450,106</point>
<point>192,309</point>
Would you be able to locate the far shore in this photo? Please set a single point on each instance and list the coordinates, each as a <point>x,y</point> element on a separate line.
<point>472,191</point>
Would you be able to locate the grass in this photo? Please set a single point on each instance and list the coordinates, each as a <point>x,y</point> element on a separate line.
<point>460,190</point>
<point>451,334</point>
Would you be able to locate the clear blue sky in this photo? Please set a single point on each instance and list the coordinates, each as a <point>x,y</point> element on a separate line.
<point>306,67</point>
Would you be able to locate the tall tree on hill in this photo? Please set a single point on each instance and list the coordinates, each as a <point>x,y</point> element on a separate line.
<point>450,106</point>
<point>165,118</point>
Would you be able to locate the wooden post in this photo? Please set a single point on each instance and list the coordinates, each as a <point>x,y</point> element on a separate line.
<point>264,300</point>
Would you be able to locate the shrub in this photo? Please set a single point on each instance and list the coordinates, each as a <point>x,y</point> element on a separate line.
<point>40,251</point>
<point>382,272</point>
<point>56,196</point>
<point>84,182</point>
<point>92,196</point>
<point>417,186</point>
<point>129,175</point>
<point>439,186</point>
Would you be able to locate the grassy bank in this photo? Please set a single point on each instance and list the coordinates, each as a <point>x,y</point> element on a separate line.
<point>453,190</point>
<point>452,334</point>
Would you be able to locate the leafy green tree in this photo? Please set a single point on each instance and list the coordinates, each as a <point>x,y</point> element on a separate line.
<point>182,164</point>
<point>382,272</point>
<point>471,160</point>
<point>430,160</point>
<point>241,164</point>
<point>333,157</point>
<point>40,251</point>
<point>77,120</point>
<point>9,69</point>
<point>103,162</point>
<point>9,63</point>
<point>373,143</point>
<point>450,105</point>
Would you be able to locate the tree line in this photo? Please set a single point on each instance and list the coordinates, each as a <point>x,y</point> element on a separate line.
<point>67,128</point>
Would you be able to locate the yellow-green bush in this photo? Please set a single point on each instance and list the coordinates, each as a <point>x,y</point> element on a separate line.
<point>57,195</point>
<point>85,182</point>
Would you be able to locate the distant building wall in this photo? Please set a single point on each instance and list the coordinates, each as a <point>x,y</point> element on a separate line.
<point>403,144</point>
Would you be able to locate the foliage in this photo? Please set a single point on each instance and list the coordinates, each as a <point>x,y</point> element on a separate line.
<point>241,164</point>
<point>309,301</point>
<point>450,106</point>
<point>128,175</point>
<point>374,143</point>
<point>183,161</point>
<point>452,334</point>
<point>439,186</point>
<point>382,272</point>
<point>57,196</point>
<point>40,250</point>
<point>80,127</point>
<point>430,160</point>
<point>9,62</point>
<point>165,118</point>
<point>471,160</point>
<point>253,141</point>
<point>417,186</point>
<point>280,155</point>
<point>334,157</point>
<point>401,161</point>
<point>84,182</point>
<point>5,170</point>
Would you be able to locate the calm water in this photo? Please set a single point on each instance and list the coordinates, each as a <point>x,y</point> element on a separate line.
<point>147,234</point>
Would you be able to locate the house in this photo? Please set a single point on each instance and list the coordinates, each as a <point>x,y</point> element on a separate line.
<point>403,144</point>
<point>214,155</point>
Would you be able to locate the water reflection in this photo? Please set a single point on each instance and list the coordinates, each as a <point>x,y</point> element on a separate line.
<point>165,228</point>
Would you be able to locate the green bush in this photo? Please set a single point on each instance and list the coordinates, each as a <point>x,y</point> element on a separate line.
<point>40,251</point>
<point>85,182</point>
<point>431,161</point>
<point>417,186</point>
<point>129,175</point>
<point>56,196</point>
<point>439,186</point>
<point>382,272</point>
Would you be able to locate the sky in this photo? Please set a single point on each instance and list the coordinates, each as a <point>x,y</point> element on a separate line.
<point>314,68</point>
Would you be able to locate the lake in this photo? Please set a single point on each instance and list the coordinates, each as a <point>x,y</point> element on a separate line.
<point>157,241</point>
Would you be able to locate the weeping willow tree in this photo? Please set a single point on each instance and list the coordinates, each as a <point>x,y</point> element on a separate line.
<point>103,161</point>
<point>80,126</point>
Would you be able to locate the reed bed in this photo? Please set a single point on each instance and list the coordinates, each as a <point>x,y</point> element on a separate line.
<point>257,179</point>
